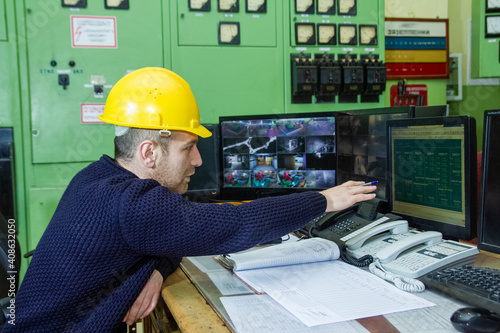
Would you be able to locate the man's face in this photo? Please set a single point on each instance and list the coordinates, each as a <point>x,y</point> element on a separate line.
<point>174,167</point>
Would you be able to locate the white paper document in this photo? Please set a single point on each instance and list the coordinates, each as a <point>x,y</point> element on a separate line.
<point>260,313</point>
<point>331,291</point>
<point>427,320</point>
<point>227,284</point>
<point>206,264</point>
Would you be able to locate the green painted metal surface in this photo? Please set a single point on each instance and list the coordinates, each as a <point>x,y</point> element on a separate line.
<point>53,141</point>
<point>485,51</point>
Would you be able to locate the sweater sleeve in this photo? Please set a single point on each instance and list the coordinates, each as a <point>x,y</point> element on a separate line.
<point>157,222</point>
<point>167,266</point>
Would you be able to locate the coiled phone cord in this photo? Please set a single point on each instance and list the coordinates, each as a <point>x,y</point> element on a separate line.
<point>402,282</point>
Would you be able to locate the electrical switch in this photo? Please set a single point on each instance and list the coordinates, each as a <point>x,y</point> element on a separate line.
<point>63,80</point>
<point>304,78</point>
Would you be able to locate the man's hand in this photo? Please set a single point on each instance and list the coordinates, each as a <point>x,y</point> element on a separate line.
<point>345,195</point>
<point>147,300</point>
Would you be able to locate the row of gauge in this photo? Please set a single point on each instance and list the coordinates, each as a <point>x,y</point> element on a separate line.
<point>305,34</point>
<point>320,7</point>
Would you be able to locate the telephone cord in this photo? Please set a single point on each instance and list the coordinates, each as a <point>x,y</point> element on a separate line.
<point>402,282</point>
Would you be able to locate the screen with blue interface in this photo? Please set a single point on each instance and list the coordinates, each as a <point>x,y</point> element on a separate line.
<point>278,151</point>
<point>431,173</point>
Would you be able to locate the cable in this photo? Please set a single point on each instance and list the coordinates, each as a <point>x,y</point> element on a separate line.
<point>402,282</point>
<point>361,262</point>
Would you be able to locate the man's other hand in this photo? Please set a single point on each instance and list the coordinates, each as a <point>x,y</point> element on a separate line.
<point>147,300</point>
<point>347,194</point>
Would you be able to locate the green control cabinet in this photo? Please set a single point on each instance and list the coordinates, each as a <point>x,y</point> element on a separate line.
<point>485,57</point>
<point>240,57</point>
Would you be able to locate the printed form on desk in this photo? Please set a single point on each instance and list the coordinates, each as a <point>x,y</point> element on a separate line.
<point>331,291</point>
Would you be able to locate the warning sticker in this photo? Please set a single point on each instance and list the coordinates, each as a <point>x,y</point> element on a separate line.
<point>90,113</point>
<point>93,31</point>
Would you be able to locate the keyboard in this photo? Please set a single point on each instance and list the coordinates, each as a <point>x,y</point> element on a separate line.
<point>478,286</point>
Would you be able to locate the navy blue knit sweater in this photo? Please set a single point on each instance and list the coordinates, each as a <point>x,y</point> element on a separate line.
<point>112,229</point>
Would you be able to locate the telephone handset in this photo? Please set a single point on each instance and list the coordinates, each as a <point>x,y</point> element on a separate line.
<point>341,226</point>
<point>394,227</point>
<point>367,210</point>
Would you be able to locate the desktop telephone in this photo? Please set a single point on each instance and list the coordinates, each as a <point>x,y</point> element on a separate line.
<point>409,253</point>
<point>342,226</point>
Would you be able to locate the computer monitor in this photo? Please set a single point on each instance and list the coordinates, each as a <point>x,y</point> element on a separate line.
<point>362,145</point>
<point>205,183</point>
<point>433,174</point>
<point>431,111</point>
<point>489,224</point>
<point>277,154</point>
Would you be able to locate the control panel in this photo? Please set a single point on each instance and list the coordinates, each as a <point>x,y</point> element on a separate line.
<point>336,52</point>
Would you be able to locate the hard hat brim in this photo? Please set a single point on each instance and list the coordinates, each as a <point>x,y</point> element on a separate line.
<point>200,130</point>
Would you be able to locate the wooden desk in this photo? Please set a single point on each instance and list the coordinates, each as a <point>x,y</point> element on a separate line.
<point>194,312</point>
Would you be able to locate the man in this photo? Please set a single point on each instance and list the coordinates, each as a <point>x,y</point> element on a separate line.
<point>122,225</point>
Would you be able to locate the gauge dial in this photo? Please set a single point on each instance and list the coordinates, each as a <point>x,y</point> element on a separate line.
<point>327,34</point>
<point>304,34</point>
<point>368,35</point>
<point>229,6</point>
<point>347,7</point>
<point>304,6</point>
<point>347,34</point>
<point>74,3</point>
<point>326,7</point>
<point>199,5</point>
<point>116,4</point>
<point>229,33</point>
<point>492,5</point>
<point>256,6</point>
<point>492,26</point>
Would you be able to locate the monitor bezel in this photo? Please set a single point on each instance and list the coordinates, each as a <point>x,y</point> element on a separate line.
<point>205,194</point>
<point>408,109</point>
<point>487,146</point>
<point>252,193</point>
<point>449,231</point>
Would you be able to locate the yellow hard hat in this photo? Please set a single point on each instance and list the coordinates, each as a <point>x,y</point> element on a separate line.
<point>153,98</point>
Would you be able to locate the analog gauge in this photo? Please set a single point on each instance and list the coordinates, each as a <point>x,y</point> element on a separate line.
<point>347,34</point>
<point>326,34</point>
<point>304,34</point>
<point>368,35</point>
<point>229,6</point>
<point>304,6</point>
<point>74,3</point>
<point>493,5</point>
<point>256,6</point>
<point>116,4</point>
<point>229,33</point>
<point>199,5</point>
<point>326,7</point>
<point>347,7</point>
<point>492,26</point>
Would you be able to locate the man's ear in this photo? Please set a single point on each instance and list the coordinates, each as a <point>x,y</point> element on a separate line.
<point>148,153</point>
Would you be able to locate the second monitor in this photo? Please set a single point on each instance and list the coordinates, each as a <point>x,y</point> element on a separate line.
<point>433,171</point>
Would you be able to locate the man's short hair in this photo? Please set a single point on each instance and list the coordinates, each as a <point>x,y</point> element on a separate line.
<point>127,143</point>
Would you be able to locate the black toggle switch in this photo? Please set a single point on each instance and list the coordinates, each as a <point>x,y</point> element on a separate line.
<point>64,80</point>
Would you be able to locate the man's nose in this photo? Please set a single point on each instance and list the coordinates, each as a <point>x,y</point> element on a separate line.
<point>196,158</point>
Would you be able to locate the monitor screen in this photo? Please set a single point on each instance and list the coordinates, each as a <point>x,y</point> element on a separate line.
<point>434,173</point>
<point>277,154</point>
<point>205,183</point>
<point>489,224</point>
<point>362,146</point>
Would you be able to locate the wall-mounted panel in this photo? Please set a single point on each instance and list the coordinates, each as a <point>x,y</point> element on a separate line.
<point>3,21</point>
<point>75,55</point>
<point>203,27</point>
